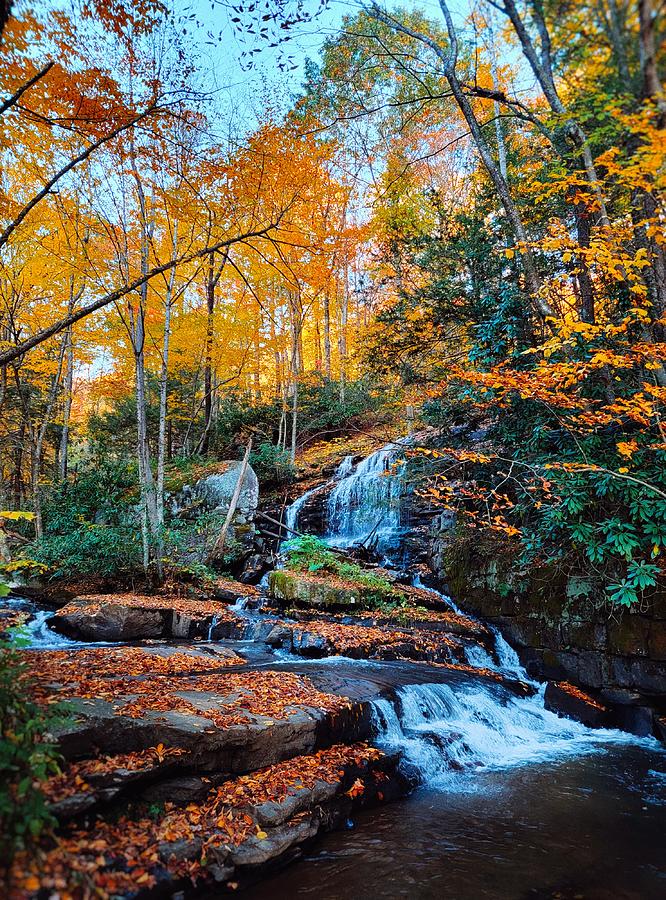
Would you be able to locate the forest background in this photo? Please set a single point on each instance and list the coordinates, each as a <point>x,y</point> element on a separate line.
<point>453,211</point>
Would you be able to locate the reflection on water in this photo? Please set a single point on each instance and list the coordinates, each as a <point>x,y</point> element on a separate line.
<point>591,828</point>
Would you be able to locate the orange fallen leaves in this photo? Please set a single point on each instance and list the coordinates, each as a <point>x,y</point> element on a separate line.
<point>196,609</point>
<point>573,691</point>
<point>154,683</point>
<point>73,779</point>
<point>70,667</point>
<point>120,857</point>
<point>372,640</point>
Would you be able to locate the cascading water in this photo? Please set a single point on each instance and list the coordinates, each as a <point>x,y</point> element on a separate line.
<point>37,634</point>
<point>504,659</point>
<point>364,505</point>
<point>292,512</point>
<point>445,731</point>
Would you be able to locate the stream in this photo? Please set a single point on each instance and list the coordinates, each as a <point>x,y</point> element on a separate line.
<point>512,801</point>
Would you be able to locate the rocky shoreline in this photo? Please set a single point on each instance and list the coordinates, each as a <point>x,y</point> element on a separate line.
<point>224,764</point>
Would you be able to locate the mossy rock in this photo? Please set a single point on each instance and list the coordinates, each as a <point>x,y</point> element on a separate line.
<point>316,591</point>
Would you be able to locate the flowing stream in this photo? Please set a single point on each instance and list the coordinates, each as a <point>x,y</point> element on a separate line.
<point>514,801</point>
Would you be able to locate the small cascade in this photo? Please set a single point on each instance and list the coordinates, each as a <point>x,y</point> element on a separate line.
<point>417,583</point>
<point>345,468</point>
<point>504,659</point>
<point>292,512</point>
<point>211,628</point>
<point>256,624</point>
<point>40,636</point>
<point>445,732</point>
<point>364,505</point>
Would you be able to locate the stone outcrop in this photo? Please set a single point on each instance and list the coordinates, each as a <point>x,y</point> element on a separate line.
<point>113,618</point>
<point>213,493</point>
<point>564,699</point>
<point>563,629</point>
<point>314,590</point>
<point>209,500</point>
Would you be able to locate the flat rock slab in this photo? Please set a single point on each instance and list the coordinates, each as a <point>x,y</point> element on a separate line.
<point>235,831</point>
<point>126,617</point>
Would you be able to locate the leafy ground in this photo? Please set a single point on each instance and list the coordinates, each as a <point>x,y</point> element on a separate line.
<point>122,856</point>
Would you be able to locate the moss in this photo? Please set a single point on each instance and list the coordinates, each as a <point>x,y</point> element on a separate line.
<point>320,590</point>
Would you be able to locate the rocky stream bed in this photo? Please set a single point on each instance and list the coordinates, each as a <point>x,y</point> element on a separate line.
<point>210,741</point>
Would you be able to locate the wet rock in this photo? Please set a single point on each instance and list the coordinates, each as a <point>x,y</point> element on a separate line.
<point>309,644</point>
<point>637,720</point>
<point>272,813</point>
<point>210,750</point>
<point>254,569</point>
<point>564,699</point>
<point>257,851</point>
<point>279,636</point>
<point>98,618</point>
<point>110,622</point>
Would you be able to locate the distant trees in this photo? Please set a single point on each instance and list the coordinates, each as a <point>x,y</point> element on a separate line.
<point>140,252</point>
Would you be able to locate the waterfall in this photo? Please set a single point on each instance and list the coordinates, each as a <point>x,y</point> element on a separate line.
<point>345,468</point>
<point>211,628</point>
<point>343,471</point>
<point>292,512</point>
<point>364,505</point>
<point>445,733</point>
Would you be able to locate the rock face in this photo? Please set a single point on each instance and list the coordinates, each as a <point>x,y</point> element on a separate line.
<point>119,618</point>
<point>562,629</point>
<point>208,501</point>
<point>213,493</point>
<point>110,622</point>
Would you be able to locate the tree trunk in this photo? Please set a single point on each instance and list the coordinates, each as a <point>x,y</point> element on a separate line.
<point>327,335</point>
<point>342,338</point>
<point>37,437</point>
<point>153,543</point>
<point>67,406</point>
<point>208,363</point>
<point>164,392</point>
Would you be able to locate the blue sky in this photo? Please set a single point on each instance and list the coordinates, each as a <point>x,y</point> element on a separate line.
<point>245,91</point>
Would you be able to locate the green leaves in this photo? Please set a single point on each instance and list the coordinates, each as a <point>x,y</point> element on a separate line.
<point>27,756</point>
<point>621,537</point>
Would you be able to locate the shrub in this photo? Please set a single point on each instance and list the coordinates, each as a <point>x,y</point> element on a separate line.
<point>272,464</point>
<point>90,550</point>
<point>28,755</point>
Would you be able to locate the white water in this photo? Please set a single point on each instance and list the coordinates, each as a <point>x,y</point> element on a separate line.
<point>292,512</point>
<point>446,732</point>
<point>364,505</point>
<point>211,628</point>
<point>38,635</point>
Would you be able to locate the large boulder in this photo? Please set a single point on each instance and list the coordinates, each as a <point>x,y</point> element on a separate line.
<point>313,590</point>
<point>213,494</point>
<point>128,617</point>
<point>110,622</point>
